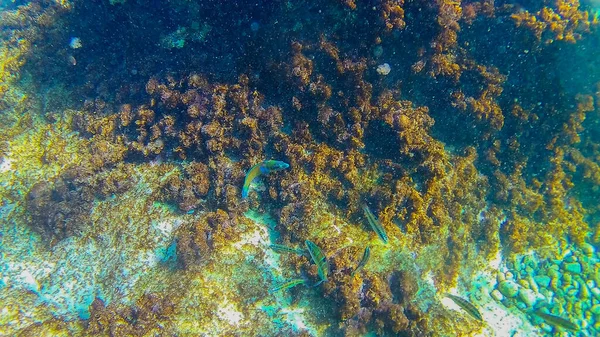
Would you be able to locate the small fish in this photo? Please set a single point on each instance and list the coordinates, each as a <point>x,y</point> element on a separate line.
<point>319,259</point>
<point>363,261</point>
<point>375,224</point>
<point>287,285</point>
<point>557,321</point>
<point>466,306</point>
<point>264,167</point>
<point>72,60</point>
<point>286,249</point>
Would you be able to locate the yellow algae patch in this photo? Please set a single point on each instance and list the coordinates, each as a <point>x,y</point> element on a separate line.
<point>40,153</point>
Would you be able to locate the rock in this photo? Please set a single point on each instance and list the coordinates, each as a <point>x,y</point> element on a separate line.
<point>529,270</point>
<point>572,292</point>
<point>572,258</point>
<point>530,261</point>
<point>553,272</point>
<point>566,254</point>
<point>528,297</point>
<point>596,293</point>
<point>542,280</point>
<point>517,266</point>
<point>577,310</point>
<point>508,288</point>
<point>523,283</point>
<point>500,277</point>
<point>555,284</point>
<point>584,292</point>
<point>532,284</point>
<point>574,267</point>
<point>548,294</point>
<point>567,279</point>
<point>496,295</point>
<point>546,328</point>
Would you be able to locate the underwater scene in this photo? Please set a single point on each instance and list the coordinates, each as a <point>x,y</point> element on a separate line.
<point>299,168</point>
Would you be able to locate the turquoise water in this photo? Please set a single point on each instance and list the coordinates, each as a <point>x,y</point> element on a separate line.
<point>299,168</point>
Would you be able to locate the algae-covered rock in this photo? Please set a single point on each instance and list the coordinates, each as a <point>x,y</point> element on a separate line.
<point>596,293</point>
<point>574,267</point>
<point>496,295</point>
<point>528,297</point>
<point>508,288</point>
<point>542,280</point>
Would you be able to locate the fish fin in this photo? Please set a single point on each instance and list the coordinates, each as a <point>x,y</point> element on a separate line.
<point>316,284</point>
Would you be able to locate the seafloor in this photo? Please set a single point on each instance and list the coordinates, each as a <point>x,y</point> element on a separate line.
<point>445,147</point>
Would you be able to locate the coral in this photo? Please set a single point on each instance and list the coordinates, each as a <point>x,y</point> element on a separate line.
<point>392,14</point>
<point>300,68</point>
<point>59,208</point>
<point>199,178</point>
<point>566,22</point>
<point>194,245</point>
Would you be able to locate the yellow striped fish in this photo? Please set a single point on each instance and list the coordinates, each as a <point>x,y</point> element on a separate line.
<point>319,259</point>
<point>557,321</point>
<point>287,285</point>
<point>363,261</point>
<point>375,224</point>
<point>466,306</point>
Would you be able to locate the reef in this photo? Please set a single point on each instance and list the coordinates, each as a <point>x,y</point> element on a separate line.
<point>123,164</point>
<point>149,315</point>
<point>57,208</point>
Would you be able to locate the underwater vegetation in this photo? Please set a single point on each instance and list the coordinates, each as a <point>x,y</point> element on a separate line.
<point>302,168</point>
